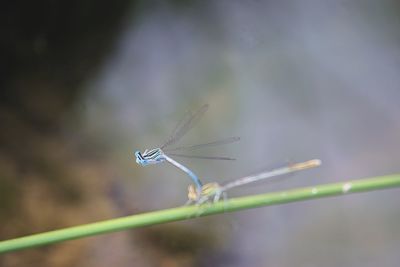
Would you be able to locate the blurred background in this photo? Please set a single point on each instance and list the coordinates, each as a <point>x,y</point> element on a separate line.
<point>86,83</point>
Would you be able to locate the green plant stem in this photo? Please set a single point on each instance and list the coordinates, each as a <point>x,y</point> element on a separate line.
<point>182,213</point>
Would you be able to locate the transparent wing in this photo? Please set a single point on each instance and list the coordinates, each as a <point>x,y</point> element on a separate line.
<point>184,125</point>
<point>210,144</point>
<point>178,126</point>
<point>200,157</point>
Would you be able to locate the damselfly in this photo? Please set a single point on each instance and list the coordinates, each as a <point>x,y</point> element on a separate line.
<point>159,155</point>
<point>214,191</point>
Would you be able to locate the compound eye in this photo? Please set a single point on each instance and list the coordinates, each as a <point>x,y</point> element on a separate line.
<point>138,156</point>
<point>192,194</point>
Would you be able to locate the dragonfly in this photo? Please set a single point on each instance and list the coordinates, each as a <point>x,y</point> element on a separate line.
<point>214,191</point>
<point>164,152</point>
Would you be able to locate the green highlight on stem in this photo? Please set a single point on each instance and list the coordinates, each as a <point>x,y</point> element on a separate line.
<point>182,213</point>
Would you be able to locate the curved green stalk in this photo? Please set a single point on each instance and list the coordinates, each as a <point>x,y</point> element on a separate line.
<point>182,213</point>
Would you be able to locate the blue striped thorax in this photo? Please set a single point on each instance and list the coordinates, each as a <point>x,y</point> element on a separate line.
<point>148,157</point>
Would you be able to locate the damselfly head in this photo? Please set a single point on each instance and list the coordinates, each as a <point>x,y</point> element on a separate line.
<point>139,158</point>
<point>192,193</point>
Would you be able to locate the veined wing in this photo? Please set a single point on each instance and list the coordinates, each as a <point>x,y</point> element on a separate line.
<point>210,144</point>
<point>184,125</point>
<point>200,157</point>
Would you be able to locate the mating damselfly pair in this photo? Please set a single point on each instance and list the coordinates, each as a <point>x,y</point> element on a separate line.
<point>200,193</point>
